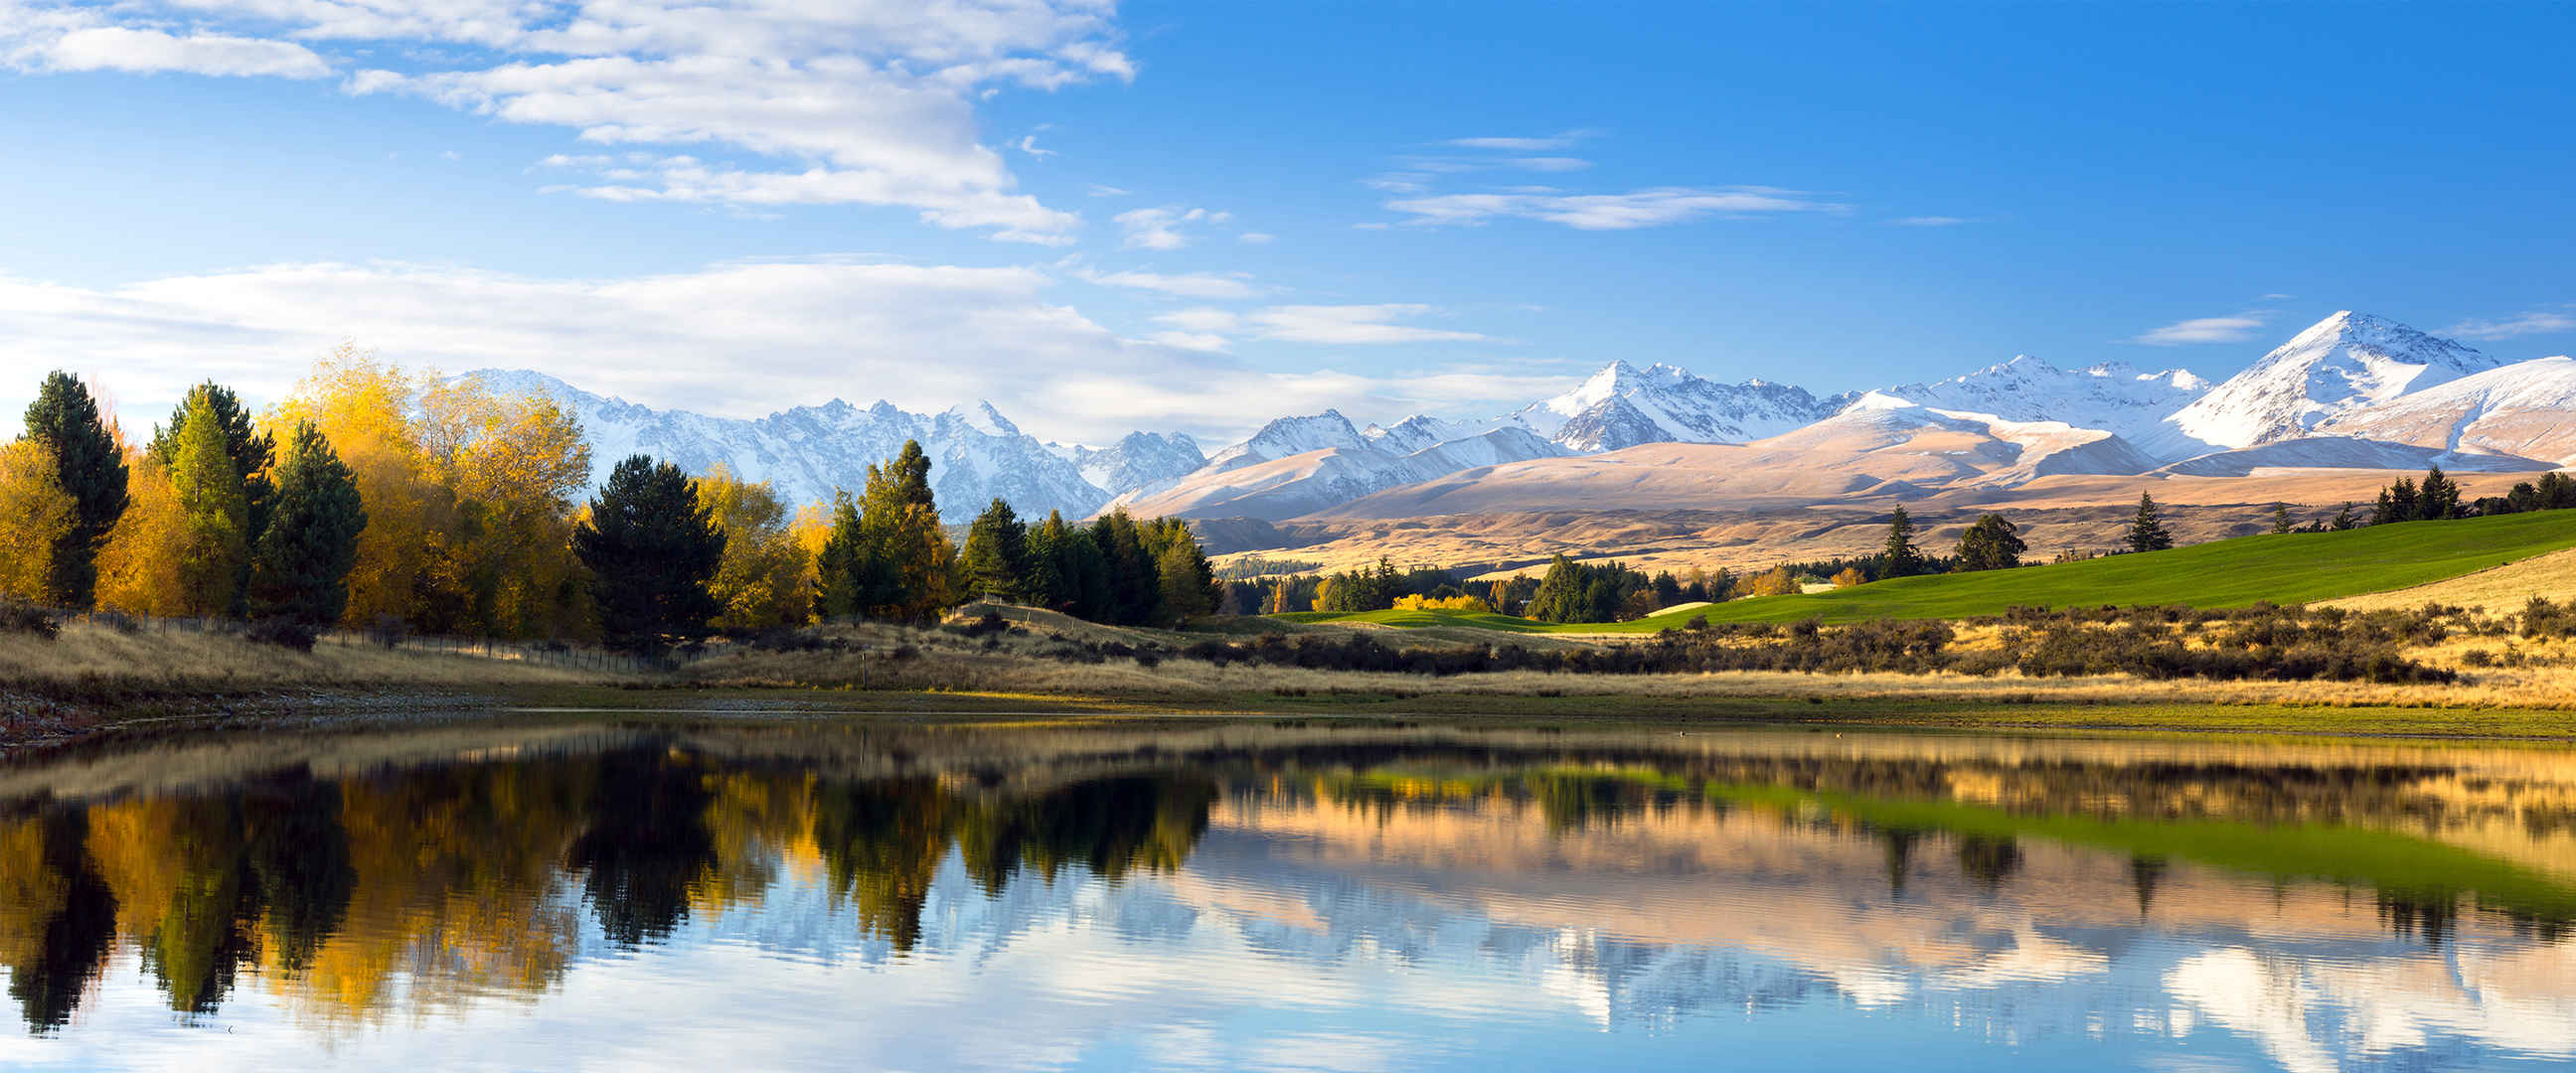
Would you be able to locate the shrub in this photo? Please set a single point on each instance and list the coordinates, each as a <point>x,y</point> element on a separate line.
<point>19,616</point>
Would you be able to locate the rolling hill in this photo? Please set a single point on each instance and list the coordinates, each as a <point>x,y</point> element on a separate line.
<point>2293,568</point>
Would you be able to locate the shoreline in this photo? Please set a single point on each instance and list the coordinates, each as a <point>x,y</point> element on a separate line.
<point>2008,712</point>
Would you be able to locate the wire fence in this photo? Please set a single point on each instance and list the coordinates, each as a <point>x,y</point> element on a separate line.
<point>541,653</point>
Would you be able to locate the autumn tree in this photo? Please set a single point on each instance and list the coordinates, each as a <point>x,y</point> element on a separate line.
<point>1902,558</point>
<point>213,549</point>
<point>512,466</point>
<point>996,557</point>
<point>1185,583</point>
<point>364,408</point>
<point>908,567</point>
<point>250,450</point>
<point>36,518</point>
<point>654,548</point>
<point>2147,530</point>
<point>761,581</point>
<point>89,466</point>
<point>1848,577</point>
<point>1991,544</point>
<point>301,562</point>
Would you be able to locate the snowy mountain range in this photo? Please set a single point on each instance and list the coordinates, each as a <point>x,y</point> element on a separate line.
<point>2353,391</point>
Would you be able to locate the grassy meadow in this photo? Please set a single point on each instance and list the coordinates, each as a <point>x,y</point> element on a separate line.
<point>2288,568</point>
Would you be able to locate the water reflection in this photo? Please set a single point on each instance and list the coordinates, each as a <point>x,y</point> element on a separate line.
<point>1250,895</point>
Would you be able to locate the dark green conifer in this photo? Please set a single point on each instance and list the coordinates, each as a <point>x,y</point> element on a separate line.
<point>653,549</point>
<point>996,557</point>
<point>1991,544</point>
<point>301,563</point>
<point>2148,533</point>
<point>90,468</point>
<point>1902,558</point>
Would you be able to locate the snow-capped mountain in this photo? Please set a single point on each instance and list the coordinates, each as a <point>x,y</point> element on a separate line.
<point>1623,406</point>
<point>2344,363</point>
<point>2526,409</point>
<point>1309,481</point>
<point>2113,397</point>
<point>807,452</point>
<point>1139,460</point>
<point>1290,436</point>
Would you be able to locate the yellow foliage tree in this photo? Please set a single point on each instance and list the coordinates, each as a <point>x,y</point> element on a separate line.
<point>760,582</point>
<point>138,570</point>
<point>1850,576</point>
<point>1778,581</point>
<point>35,514</point>
<point>364,408</point>
<point>214,518</point>
<point>513,466</point>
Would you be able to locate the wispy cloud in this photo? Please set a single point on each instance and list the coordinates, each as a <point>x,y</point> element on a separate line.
<point>1540,144</point>
<point>1257,238</point>
<point>117,48</point>
<point>1352,324</point>
<point>1186,285</point>
<point>1163,228</point>
<point>1610,212</point>
<point>2229,329</point>
<point>863,104</point>
<point>1029,144</point>
<point>2540,322</point>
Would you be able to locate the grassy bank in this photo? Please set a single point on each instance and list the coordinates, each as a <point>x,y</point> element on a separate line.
<point>2289,568</point>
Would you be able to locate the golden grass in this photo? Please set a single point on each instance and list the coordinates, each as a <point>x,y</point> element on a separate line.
<point>93,657</point>
<point>1014,666</point>
<point>2496,589</point>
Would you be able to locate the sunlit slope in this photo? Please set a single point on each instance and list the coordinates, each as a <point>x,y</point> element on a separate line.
<point>2290,568</point>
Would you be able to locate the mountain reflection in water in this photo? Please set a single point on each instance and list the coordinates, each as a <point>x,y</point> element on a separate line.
<point>1284,897</point>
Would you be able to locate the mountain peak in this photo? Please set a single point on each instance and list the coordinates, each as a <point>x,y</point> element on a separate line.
<point>2341,364</point>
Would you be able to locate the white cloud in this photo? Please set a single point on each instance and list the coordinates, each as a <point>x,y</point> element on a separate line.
<point>736,339</point>
<point>2230,329</point>
<point>1029,144</point>
<point>1551,163</point>
<point>1201,320</point>
<point>116,48</point>
<point>1608,212</point>
<point>1203,342</point>
<point>1257,238</point>
<point>2541,322</point>
<point>842,103</point>
<point>1163,228</point>
<point>1524,145</point>
<point>1351,324</point>
<point>1186,285</point>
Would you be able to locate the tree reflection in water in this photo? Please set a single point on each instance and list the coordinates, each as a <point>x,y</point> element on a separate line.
<point>441,880</point>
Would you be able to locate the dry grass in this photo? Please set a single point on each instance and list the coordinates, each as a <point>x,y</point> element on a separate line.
<point>2496,590</point>
<point>93,658</point>
<point>1014,664</point>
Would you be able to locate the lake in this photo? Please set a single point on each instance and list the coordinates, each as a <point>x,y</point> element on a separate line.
<point>551,893</point>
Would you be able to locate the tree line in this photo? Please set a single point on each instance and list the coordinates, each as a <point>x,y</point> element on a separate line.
<point>376,499</point>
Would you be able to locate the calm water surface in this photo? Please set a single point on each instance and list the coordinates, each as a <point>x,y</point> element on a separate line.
<point>1284,897</point>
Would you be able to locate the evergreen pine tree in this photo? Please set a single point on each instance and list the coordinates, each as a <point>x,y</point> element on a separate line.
<point>908,569</point>
<point>1991,544</point>
<point>251,450</point>
<point>1046,580</point>
<point>2344,519</point>
<point>1902,558</point>
<point>1188,586</point>
<point>996,557</point>
<point>1134,585</point>
<point>300,564</point>
<point>90,467</point>
<point>839,566</point>
<point>214,553</point>
<point>653,549</point>
<point>2148,533</point>
<point>2281,519</point>
<point>2439,498</point>
<point>2396,503</point>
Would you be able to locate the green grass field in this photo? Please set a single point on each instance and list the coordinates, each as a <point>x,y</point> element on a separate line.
<point>2291,568</point>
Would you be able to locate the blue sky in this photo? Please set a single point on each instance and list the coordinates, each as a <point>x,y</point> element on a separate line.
<point>1198,216</point>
